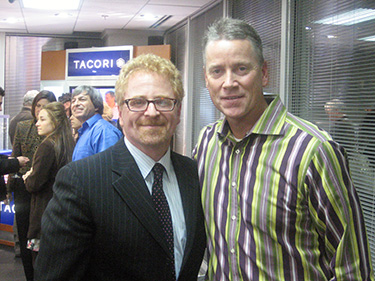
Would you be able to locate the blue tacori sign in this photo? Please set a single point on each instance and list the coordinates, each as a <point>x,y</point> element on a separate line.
<point>105,61</point>
<point>7,213</point>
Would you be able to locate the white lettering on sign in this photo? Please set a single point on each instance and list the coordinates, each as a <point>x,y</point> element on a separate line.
<point>90,64</point>
<point>82,65</point>
<point>7,208</point>
<point>76,62</point>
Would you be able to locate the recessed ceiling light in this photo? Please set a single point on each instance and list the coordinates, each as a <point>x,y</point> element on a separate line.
<point>11,20</point>
<point>63,15</point>
<point>349,18</point>
<point>51,4</point>
<point>149,16</point>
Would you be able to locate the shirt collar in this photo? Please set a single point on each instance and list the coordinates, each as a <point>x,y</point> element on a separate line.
<point>145,162</point>
<point>90,122</point>
<point>271,122</point>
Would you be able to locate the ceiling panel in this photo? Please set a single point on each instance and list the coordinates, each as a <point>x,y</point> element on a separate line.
<point>11,17</point>
<point>96,16</point>
<point>43,21</point>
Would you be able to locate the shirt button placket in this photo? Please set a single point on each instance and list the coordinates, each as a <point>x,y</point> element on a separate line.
<point>236,156</point>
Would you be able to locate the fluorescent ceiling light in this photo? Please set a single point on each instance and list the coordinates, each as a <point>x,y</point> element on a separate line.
<point>51,4</point>
<point>349,18</point>
<point>369,38</point>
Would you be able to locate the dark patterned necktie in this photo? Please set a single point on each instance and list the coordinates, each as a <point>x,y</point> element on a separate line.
<point>162,208</point>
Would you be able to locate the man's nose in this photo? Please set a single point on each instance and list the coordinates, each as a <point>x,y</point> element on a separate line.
<point>229,79</point>
<point>151,109</point>
<point>74,103</point>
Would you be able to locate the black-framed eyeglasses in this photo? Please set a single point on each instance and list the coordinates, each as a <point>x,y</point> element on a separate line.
<point>141,104</point>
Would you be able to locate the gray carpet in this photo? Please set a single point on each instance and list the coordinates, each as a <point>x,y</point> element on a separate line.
<point>10,267</point>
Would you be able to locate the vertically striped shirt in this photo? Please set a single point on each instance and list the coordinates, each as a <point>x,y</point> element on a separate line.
<point>280,204</point>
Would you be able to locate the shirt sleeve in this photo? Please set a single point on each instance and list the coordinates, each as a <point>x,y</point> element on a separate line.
<point>105,138</point>
<point>335,209</point>
<point>9,166</point>
<point>16,148</point>
<point>43,163</point>
<point>16,151</point>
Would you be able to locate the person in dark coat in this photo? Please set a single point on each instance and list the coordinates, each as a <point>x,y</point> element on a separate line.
<point>26,141</point>
<point>24,114</point>
<point>53,153</point>
<point>7,166</point>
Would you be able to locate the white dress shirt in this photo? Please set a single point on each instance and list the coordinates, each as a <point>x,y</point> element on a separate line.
<point>172,192</point>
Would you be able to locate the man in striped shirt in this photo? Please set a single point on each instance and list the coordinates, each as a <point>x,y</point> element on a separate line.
<point>278,198</point>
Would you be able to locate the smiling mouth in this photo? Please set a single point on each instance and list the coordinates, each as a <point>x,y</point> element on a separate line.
<point>232,98</point>
<point>151,125</point>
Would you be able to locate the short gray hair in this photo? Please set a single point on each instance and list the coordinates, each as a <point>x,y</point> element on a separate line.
<point>95,96</point>
<point>233,29</point>
<point>29,97</point>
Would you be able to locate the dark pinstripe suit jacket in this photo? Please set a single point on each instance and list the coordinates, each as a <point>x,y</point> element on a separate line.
<point>101,223</point>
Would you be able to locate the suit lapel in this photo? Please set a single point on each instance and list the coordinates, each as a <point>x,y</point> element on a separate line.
<point>131,187</point>
<point>189,203</point>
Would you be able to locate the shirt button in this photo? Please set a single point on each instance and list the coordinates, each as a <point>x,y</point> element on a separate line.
<point>234,184</point>
<point>232,251</point>
<point>238,151</point>
<point>233,218</point>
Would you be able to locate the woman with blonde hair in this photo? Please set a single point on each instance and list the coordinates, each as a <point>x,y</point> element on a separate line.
<point>52,154</point>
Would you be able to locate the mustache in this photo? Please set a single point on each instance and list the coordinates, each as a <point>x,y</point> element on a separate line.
<point>151,123</point>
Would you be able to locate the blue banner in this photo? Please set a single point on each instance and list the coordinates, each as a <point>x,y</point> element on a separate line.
<point>101,63</point>
<point>7,213</point>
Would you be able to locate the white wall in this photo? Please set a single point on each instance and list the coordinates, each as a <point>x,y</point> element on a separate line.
<point>115,37</point>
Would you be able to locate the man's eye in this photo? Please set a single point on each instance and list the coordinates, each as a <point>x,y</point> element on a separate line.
<point>137,102</point>
<point>215,72</point>
<point>242,70</point>
<point>162,102</point>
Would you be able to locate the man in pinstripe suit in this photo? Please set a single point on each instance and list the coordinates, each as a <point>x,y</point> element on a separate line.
<point>102,223</point>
